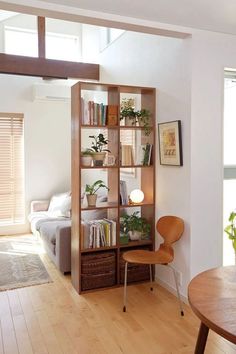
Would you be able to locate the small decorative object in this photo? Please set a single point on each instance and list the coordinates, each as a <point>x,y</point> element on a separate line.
<point>110,160</point>
<point>136,227</point>
<point>98,148</point>
<point>91,190</point>
<point>230,230</point>
<point>144,153</point>
<point>86,157</point>
<point>170,143</point>
<point>136,196</point>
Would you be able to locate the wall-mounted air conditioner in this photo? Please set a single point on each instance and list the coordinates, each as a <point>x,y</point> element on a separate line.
<point>51,92</point>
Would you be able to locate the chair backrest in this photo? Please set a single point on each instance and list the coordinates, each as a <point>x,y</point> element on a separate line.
<point>170,228</point>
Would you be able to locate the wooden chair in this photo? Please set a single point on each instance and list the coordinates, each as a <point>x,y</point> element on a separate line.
<point>171,229</point>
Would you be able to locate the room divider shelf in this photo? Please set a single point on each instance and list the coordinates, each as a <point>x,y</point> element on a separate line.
<point>104,264</point>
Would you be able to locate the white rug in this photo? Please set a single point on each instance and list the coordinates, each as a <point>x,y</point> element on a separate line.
<point>20,264</point>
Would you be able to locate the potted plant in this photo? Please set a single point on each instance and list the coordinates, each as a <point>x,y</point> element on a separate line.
<point>98,148</point>
<point>86,157</point>
<point>230,230</point>
<point>127,111</point>
<point>135,226</point>
<point>143,117</point>
<point>91,190</point>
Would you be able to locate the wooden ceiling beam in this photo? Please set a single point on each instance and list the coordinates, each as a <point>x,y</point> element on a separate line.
<point>41,37</point>
<point>47,68</point>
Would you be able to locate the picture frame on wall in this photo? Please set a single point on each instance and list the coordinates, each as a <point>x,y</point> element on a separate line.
<point>170,143</point>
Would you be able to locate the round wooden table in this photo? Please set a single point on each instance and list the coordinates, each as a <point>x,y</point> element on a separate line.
<point>212,296</point>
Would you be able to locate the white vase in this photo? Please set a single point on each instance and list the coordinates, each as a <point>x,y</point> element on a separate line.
<point>98,158</point>
<point>86,160</point>
<point>134,235</point>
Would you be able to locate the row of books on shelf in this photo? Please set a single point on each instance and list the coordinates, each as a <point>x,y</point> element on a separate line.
<point>98,113</point>
<point>143,155</point>
<point>98,233</point>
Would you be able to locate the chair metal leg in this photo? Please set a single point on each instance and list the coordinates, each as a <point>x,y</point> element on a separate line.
<point>125,286</point>
<point>150,266</point>
<point>177,289</point>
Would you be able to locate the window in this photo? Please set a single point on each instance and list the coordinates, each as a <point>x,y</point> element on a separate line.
<point>20,41</point>
<point>12,208</point>
<point>109,35</point>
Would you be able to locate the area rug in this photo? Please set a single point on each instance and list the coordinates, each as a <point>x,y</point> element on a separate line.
<point>20,265</point>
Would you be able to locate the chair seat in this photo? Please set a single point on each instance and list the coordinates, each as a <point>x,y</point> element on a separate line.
<point>147,257</point>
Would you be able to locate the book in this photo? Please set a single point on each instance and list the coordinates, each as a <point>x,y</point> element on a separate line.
<point>144,155</point>
<point>112,114</point>
<point>123,193</point>
<point>127,155</point>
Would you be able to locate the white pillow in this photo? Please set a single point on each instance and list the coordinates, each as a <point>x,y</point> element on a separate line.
<point>60,205</point>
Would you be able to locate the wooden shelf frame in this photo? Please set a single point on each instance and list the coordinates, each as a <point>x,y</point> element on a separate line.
<point>147,173</point>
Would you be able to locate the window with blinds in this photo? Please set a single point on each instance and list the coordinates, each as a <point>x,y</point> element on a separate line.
<point>12,208</point>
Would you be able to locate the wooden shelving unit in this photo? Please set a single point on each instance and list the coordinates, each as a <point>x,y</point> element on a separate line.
<point>82,259</point>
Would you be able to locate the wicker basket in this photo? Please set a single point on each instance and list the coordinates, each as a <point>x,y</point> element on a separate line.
<point>98,263</point>
<point>98,270</point>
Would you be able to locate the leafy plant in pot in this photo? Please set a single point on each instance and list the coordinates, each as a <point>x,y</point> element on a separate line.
<point>230,230</point>
<point>99,143</point>
<point>127,112</point>
<point>86,157</point>
<point>143,117</point>
<point>91,190</point>
<point>135,226</point>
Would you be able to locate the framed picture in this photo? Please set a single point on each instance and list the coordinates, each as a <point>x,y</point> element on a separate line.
<point>170,143</point>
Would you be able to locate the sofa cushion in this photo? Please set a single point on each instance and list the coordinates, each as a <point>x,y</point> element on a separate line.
<point>60,205</point>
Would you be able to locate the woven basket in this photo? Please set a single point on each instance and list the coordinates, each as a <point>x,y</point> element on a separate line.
<point>98,263</point>
<point>94,281</point>
<point>136,272</point>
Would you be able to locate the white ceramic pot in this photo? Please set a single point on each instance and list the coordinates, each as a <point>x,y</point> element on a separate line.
<point>130,121</point>
<point>91,199</point>
<point>134,235</point>
<point>86,160</point>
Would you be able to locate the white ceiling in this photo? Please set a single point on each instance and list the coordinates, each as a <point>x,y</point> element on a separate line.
<point>214,15</point>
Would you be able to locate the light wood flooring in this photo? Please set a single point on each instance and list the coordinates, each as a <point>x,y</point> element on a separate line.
<point>52,318</point>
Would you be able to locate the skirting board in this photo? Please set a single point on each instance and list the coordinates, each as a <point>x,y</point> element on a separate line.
<point>171,290</point>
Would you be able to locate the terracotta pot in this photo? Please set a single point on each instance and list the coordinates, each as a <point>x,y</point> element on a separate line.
<point>91,199</point>
<point>98,158</point>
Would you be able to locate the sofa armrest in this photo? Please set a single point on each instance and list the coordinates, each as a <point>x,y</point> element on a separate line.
<point>39,205</point>
<point>63,248</point>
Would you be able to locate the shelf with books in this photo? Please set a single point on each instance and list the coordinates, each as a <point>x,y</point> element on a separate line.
<point>96,247</point>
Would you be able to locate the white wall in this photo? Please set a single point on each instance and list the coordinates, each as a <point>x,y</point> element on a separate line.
<point>164,63</point>
<point>47,140</point>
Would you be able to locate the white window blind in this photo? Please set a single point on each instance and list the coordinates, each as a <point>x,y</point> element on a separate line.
<point>12,209</point>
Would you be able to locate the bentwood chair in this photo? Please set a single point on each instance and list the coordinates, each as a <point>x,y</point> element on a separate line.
<point>171,229</point>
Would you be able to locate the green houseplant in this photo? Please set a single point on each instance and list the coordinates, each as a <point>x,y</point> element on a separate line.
<point>143,117</point>
<point>135,226</point>
<point>127,112</point>
<point>91,190</point>
<point>230,230</point>
<point>99,143</point>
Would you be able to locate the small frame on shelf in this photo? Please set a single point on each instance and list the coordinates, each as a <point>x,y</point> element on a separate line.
<point>170,143</point>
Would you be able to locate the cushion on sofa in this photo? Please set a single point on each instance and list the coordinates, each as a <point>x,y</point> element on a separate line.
<point>60,205</point>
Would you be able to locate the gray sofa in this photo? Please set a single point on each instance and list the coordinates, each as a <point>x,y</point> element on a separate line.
<point>55,233</point>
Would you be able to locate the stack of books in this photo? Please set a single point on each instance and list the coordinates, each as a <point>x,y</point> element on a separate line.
<point>98,233</point>
<point>124,200</point>
<point>98,113</point>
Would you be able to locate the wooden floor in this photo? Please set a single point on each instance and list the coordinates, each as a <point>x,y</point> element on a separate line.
<point>53,318</point>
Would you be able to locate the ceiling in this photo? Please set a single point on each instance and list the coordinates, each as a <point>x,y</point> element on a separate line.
<point>214,15</point>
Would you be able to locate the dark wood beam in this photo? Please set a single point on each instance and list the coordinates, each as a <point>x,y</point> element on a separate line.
<point>20,65</point>
<point>41,37</point>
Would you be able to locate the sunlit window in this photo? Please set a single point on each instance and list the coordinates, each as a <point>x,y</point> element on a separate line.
<point>21,42</point>
<point>25,42</point>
